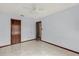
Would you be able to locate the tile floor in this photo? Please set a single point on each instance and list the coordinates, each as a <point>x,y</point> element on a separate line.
<point>34,48</point>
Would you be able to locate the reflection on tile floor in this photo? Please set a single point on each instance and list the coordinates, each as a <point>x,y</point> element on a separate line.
<point>34,48</point>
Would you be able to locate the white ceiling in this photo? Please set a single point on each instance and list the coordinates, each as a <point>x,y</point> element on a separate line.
<point>34,10</point>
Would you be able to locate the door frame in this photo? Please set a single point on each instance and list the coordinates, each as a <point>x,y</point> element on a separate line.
<point>11,29</point>
<point>38,22</point>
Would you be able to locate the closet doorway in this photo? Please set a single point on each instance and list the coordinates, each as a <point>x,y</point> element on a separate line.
<point>38,30</point>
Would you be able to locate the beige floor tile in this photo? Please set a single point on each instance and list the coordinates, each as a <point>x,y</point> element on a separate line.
<point>34,48</point>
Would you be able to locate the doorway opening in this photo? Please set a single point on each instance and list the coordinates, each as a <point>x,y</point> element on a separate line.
<point>15,31</point>
<point>38,30</point>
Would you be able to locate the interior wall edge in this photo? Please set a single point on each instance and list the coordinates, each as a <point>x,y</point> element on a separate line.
<point>17,43</point>
<point>60,46</point>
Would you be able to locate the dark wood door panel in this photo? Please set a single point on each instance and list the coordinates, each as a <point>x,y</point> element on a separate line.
<point>15,39</point>
<point>15,31</point>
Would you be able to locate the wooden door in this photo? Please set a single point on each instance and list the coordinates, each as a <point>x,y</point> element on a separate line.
<point>15,31</point>
<point>38,30</point>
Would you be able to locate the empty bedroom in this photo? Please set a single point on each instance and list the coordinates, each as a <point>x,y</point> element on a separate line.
<point>39,29</point>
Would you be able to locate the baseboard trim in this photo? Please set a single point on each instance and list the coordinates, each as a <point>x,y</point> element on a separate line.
<point>61,47</point>
<point>17,43</point>
<point>5,46</point>
<point>45,42</point>
<point>27,40</point>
